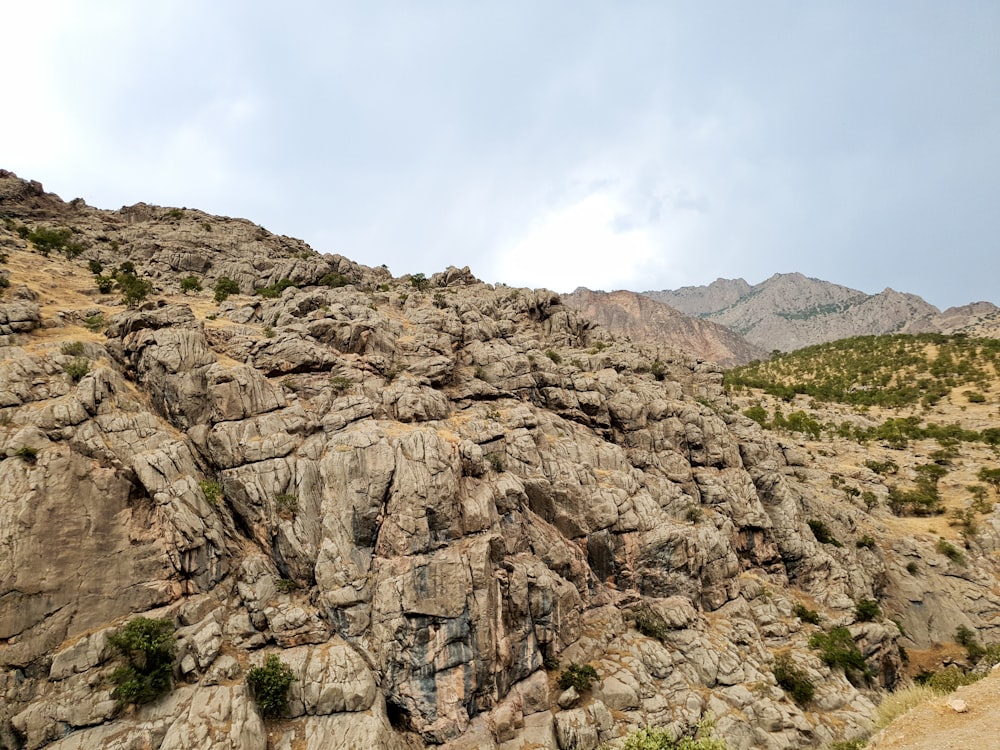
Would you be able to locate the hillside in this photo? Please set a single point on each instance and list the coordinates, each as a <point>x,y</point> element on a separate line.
<point>641,318</point>
<point>790,311</point>
<point>434,500</point>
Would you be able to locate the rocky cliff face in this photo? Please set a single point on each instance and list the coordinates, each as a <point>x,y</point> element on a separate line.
<point>790,311</point>
<point>433,497</point>
<point>640,318</point>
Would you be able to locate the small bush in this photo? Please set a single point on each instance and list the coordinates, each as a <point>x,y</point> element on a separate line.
<point>190,284</point>
<point>658,369</point>
<point>268,332</point>
<point>76,369</point>
<point>287,504</point>
<point>974,397</point>
<point>340,383</point>
<point>806,615</point>
<point>577,676</point>
<point>212,490</point>
<point>948,679</point>
<point>495,461</point>
<point>286,585</point>
<point>950,551</point>
<point>224,287</point>
<point>882,467</point>
<point>866,610</point>
<point>697,738</point>
<point>269,686</point>
<point>94,322</point>
<point>336,280</point>
<point>912,568</point>
<point>865,542</point>
<point>274,290</point>
<point>838,650</point>
<point>133,288</point>
<point>105,284</point>
<point>553,355</point>
<point>822,533</point>
<point>650,623</point>
<point>419,281</point>
<point>95,266</point>
<point>72,349</point>
<point>793,680</point>
<point>148,649</point>
<point>47,239</point>
<point>27,454</point>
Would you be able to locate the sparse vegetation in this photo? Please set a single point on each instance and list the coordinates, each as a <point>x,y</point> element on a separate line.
<point>340,383</point>
<point>147,647</point>
<point>224,287</point>
<point>698,737</point>
<point>553,355</point>
<point>76,368</point>
<point>793,679</point>
<point>274,290</point>
<point>47,239</point>
<point>837,649</point>
<point>950,551</point>
<point>190,284</point>
<point>579,676</point>
<point>822,533</point>
<point>27,453</point>
<point>867,610</point>
<point>419,282</point>
<point>94,322</point>
<point>72,349</point>
<point>212,490</point>
<point>650,623</point>
<point>133,288</point>
<point>269,685</point>
<point>495,460</point>
<point>286,503</point>
<point>336,280</point>
<point>806,615</point>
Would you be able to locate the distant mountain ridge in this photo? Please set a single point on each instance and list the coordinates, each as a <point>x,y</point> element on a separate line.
<point>789,311</point>
<point>644,319</point>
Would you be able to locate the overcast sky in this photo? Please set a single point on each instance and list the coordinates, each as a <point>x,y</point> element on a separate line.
<point>638,145</point>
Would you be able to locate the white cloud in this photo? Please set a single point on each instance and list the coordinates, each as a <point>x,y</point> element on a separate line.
<point>579,245</point>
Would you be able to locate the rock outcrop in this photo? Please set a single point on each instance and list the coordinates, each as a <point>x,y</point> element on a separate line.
<point>426,496</point>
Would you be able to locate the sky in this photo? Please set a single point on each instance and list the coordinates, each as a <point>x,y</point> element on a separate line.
<point>544,143</point>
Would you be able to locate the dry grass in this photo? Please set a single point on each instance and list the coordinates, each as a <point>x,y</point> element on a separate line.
<point>900,702</point>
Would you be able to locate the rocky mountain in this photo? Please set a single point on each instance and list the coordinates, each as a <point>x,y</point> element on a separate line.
<point>641,318</point>
<point>434,500</point>
<point>790,311</point>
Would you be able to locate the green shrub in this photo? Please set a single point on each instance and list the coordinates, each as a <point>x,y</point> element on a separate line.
<point>882,467</point>
<point>27,454</point>
<point>94,322</point>
<point>974,397</point>
<point>148,649</point>
<point>577,676</point>
<point>990,476</point>
<point>553,355</point>
<point>865,542</point>
<point>806,615</point>
<point>658,369</point>
<point>838,650</point>
<point>212,490</point>
<point>337,280</point>
<point>758,414</point>
<point>286,585</point>
<point>650,623</point>
<point>948,679</point>
<point>105,284</point>
<point>496,461</point>
<point>419,281</point>
<point>47,239</point>
<point>72,349</point>
<point>76,369</point>
<point>822,533</point>
<point>698,738</point>
<point>268,332</point>
<point>793,680</point>
<point>274,290</point>
<point>95,266</point>
<point>340,383</point>
<point>133,288</point>
<point>175,213</point>
<point>224,287</point>
<point>912,568</point>
<point>269,686</point>
<point>286,504</point>
<point>950,551</point>
<point>866,610</point>
<point>190,284</point>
